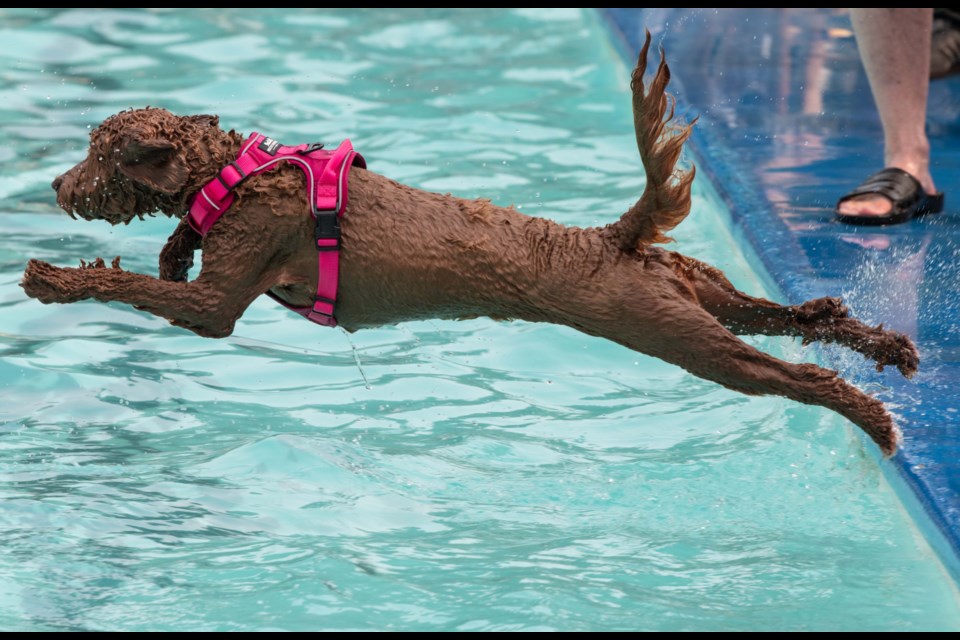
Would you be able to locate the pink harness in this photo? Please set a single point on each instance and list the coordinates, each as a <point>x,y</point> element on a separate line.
<point>326,173</point>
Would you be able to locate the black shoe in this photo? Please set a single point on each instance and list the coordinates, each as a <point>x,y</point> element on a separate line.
<point>906,196</point>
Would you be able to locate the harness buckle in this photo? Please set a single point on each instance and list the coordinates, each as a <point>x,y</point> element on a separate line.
<point>314,146</point>
<point>327,227</point>
<point>236,167</point>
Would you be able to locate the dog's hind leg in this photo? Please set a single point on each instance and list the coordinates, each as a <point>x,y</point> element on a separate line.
<point>822,319</point>
<point>697,342</point>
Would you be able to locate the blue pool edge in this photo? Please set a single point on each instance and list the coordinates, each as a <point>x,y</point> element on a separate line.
<point>723,170</point>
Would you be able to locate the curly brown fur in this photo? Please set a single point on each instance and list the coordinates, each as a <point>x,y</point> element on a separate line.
<point>408,254</point>
<point>666,198</point>
<point>176,257</point>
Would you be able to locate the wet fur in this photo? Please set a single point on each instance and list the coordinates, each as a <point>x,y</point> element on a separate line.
<point>408,254</point>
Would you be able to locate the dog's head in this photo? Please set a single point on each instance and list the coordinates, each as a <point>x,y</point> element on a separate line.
<point>142,161</point>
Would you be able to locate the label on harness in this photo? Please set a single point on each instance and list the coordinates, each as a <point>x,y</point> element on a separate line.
<point>269,145</point>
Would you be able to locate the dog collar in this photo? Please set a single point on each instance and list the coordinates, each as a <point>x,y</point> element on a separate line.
<point>326,174</point>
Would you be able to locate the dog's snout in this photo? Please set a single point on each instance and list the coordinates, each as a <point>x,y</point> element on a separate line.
<point>56,183</point>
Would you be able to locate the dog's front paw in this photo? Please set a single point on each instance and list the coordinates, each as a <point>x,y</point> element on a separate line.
<point>47,283</point>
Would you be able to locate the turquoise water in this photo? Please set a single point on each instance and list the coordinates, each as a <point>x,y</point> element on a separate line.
<point>435,475</point>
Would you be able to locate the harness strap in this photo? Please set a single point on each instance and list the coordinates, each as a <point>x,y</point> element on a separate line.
<point>326,176</point>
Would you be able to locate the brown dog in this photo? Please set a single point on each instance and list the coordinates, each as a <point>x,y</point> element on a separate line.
<point>409,254</point>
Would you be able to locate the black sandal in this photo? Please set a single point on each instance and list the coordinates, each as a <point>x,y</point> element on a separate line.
<point>904,192</point>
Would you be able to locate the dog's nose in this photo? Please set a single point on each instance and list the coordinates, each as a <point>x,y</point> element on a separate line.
<point>56,183</point>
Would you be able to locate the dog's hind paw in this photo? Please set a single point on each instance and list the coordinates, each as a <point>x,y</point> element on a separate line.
<point>878,423</point>
<point>821,309</point>
<point>898,350</point>
<point>886,435</point>
<point>828,319</point>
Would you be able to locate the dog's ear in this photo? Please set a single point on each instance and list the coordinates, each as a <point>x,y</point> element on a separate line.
<point>210,121</point>
<point>155,163</point>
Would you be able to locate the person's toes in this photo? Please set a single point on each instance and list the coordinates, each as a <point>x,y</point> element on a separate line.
<point>866,205</point>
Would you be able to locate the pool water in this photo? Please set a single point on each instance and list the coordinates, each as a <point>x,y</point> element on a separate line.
<point>428,476</point>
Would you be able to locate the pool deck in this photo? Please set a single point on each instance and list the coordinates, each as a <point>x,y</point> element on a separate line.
<point>787,126</point>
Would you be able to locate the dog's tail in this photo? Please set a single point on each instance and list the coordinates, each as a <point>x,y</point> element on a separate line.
<point>666,199</point>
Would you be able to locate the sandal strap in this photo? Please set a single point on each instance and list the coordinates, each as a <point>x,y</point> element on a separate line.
<point>901,188</point>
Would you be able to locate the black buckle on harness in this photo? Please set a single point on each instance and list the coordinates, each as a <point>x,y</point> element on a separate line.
<point>236,184</point>
<point>316,146</point>
<point>327,227</point>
